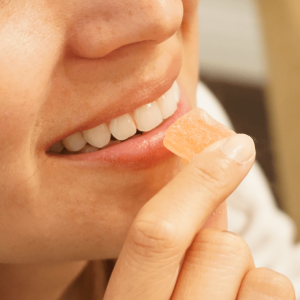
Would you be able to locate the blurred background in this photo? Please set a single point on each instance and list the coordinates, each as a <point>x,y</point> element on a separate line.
<point>247,63</point>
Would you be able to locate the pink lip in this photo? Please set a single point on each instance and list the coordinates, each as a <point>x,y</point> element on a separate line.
<point>138,153</point>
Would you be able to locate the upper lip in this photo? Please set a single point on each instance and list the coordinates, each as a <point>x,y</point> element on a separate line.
<point>133,98</point>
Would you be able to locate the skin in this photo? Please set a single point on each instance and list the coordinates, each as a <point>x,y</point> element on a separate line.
<point>56,58</point>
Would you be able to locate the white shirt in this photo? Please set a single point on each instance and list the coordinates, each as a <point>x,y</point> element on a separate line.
<point>253,214</point>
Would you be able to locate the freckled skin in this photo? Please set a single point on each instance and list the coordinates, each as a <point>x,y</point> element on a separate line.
<point>61,63</point>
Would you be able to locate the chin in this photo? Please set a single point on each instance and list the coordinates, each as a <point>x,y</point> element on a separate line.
<point>84,220</point>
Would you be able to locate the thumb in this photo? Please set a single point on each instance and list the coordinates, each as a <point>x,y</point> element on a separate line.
<point>165,227</point>
<point>218,219</point>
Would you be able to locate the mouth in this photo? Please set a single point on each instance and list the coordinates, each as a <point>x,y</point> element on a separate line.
<point>133,138</point>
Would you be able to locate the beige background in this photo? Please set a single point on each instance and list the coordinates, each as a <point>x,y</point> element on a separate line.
<point>281,23</point>
<point>257,42</point>
<point>230,41</point>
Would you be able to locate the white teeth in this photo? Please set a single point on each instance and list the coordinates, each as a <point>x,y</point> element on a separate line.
<point>98,136</point>
<point>122,127</point>
<point>176,89</point>
<point>112,142</point>
<point>74,142</point>
<point>57,147</point>
<point>88,149</point>
<point>167,103</point>
<point>148,117</point>
<point>145,118</point>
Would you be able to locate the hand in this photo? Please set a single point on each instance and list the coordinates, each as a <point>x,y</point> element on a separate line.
<point>168,254</point>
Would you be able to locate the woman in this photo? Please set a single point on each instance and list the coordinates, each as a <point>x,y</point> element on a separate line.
<point>68,67</point>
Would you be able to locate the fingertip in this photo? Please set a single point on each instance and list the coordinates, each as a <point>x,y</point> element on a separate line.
<point>239,147</point>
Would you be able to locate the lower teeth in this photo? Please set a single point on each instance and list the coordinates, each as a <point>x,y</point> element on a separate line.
<point>89,149</point>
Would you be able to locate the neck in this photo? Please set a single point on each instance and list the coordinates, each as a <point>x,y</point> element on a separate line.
<point>45,282</point>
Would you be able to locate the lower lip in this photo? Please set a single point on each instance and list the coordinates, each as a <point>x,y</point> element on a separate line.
<point>139,153</point>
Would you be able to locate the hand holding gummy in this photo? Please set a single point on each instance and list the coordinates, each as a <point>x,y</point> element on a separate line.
<point>180,235</point>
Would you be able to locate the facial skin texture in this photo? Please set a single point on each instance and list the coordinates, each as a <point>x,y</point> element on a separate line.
<point>58,70</point>
<point>64,63</point>
<point>64,66</point>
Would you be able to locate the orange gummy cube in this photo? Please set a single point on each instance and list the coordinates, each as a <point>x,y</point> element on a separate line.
<point>193,132</point>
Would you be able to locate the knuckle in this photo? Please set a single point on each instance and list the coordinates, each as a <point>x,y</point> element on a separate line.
<point>235,242</point>
<point>212,175</point>
<point>231,247</point>
<point>152,237</point>
<point>269,283</point>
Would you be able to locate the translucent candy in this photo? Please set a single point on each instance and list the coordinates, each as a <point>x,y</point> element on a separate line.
<point>193,132</point>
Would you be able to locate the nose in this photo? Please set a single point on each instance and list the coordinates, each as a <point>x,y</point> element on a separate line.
<point>98,27</point>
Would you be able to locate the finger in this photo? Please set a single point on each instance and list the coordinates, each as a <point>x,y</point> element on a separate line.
<point>218,219</point>
<point>214,267</point>
<point>265,284</point>
<point>165,227</point>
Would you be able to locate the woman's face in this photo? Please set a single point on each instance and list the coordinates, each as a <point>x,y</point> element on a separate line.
<point>66,67</point>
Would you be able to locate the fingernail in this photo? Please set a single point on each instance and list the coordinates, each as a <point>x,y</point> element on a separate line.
<point>239,147</point>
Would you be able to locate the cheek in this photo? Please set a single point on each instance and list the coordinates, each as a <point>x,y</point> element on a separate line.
<point>28,54</point>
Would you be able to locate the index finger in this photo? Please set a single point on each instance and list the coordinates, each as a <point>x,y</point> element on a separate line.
<point>166,226</point>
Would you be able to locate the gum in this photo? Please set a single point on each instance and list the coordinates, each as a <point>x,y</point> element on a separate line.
<point>193,132</point>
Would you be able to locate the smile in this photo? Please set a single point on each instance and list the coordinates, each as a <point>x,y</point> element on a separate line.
<point>133,140</point>
<point>127,126</point>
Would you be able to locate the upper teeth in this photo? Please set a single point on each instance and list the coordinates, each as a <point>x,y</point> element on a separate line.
<point>148,116</point>
<point>122,127</point>
<point>97,137</point>
<point>144,118</point>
